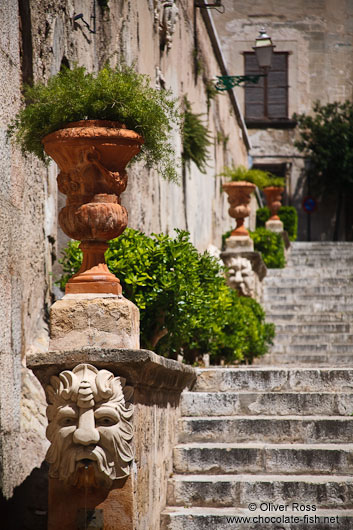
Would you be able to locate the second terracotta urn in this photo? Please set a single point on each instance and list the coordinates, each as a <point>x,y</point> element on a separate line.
<point>92,156</point>
<point>273,195</point>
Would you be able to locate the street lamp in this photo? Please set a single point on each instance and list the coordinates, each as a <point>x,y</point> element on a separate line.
<point>263,51</point>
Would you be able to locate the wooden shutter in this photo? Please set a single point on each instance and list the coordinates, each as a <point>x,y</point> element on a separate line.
<point>276,106</point>
<point>254,94</point>
<point>277,87</point>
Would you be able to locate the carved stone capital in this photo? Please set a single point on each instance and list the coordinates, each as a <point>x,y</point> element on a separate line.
<point>90,431</point>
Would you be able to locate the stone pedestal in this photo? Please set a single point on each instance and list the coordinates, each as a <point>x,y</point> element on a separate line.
<point>100,320</point>
<point>274,225</point>
<point>240,244</point>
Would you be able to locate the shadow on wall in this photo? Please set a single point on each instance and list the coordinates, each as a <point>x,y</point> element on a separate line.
<point>27,508</point>
<point>319,225</point>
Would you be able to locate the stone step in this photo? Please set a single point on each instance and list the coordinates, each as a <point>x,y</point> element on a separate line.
<point>305,328</point>
<point>263,458</point>
<point>310,262</point>
<point>303,309</point>
<point>180,518</point>
<point>309,318</point>
<point>312,359</point>
<point>266,403</point>
<point>332,351</point>
<point>296,338</point>
<point>269,429</point>
<point>305,282</point>
<point>299,245</point>
<point>312,300</point>
<point>322,491</point>
<point>326,290</point>
<point>321,255</point>
<point>274,379</point>
<point>293,273</point>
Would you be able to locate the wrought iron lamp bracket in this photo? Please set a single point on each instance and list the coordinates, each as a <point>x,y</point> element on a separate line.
<point>227,82</point>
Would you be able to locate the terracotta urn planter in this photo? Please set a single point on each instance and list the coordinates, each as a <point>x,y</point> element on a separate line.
<point>92,156</point>
<point>273,196</point>
<point>239,198</point>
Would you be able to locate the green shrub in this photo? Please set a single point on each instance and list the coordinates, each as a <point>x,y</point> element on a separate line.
<point>271,246</point>
<point>196,138</point>
<point>260,178</point>
<point>262,216</point>
<point>279,182</point>
<point>288,216</point>
<point>184,302</point>
<point>117,94</point>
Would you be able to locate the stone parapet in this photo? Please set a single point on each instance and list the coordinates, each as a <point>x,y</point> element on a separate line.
<point>134,502</point>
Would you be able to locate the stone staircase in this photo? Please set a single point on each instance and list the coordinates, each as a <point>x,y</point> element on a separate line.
<point>274,444</point>
<point>311,304</point>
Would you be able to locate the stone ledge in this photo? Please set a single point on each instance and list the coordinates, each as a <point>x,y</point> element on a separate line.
<point>139,367</point>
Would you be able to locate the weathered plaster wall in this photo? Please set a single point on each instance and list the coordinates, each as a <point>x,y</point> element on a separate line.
<point>36,38</point>
<point>25,264</point>
<point>319,37</point>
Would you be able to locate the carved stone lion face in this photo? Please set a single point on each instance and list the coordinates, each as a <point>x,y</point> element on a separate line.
<point>89,427</point>
<point>241,276</point>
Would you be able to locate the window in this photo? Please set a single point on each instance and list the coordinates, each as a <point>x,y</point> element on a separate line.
<point>267,101</point>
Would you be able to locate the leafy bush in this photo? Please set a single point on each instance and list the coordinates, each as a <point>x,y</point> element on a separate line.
<point>184,302</point>
<point>196,138</point>
<point>271,246</point>
<point>260,178</point>
<point>288,216</point>
<point>262,216</point>
<point>119,94</point>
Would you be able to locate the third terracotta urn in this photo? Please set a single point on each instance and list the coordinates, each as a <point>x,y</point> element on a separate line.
<point>239,194</point>
<point>92,156</point>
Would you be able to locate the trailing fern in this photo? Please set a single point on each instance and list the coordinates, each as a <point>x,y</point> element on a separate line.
<point>196,138</point>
